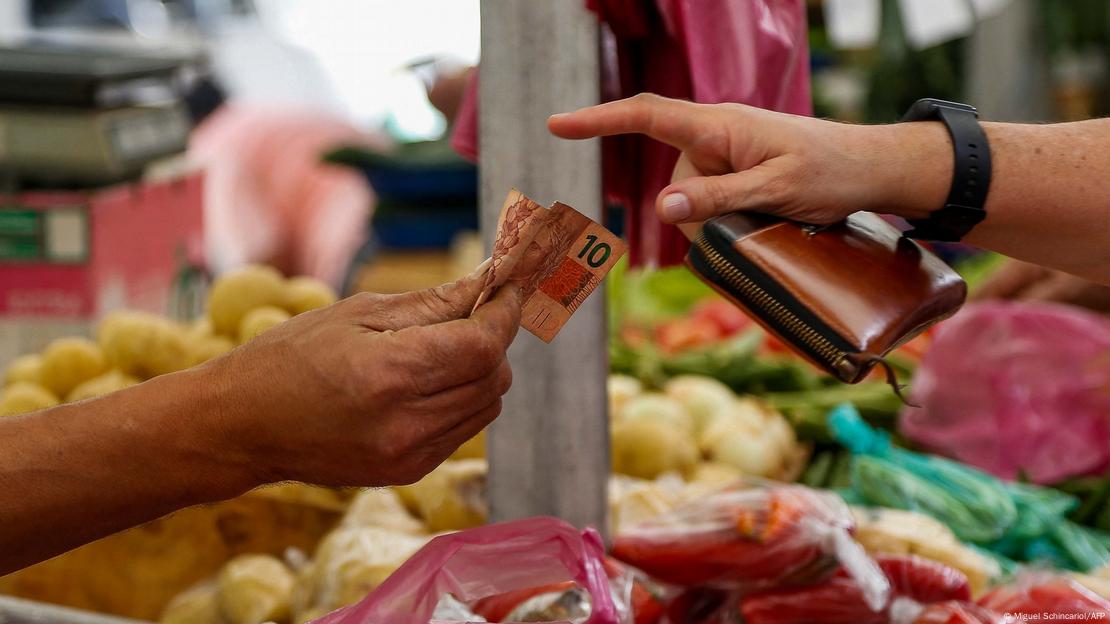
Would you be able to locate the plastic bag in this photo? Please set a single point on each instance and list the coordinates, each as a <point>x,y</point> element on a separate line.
<point>1041,597</point>
<point>976,506</point>
<point>1017,388</point>
<point>1021,521</point>
<point>487,561</point>
<point>954,612</point>
<point>914,582</point>
<point>752,537</point>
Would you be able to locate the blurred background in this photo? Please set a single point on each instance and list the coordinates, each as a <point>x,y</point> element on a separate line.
<point>151,147</point>
<point>313,137</point>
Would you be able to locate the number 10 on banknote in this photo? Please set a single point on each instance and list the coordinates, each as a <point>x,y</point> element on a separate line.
<point>557,256</point>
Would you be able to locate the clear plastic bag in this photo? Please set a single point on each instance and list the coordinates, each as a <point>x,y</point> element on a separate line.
<point>974,505</point>
<point>1017,389</point>
<point>1020,521</point>
<point>460,568</point>
<point>914,583</point>
<point>751,537</point>
<point>1044,597</point>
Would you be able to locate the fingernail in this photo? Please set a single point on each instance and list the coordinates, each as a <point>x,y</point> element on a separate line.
<point>676,207</point>
<point>482,268</point>
<point>558,116</point>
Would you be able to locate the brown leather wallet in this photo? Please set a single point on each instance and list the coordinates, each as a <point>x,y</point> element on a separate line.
<point>842,296</point>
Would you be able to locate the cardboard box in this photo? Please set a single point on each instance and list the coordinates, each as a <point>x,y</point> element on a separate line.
<point>68,258</point>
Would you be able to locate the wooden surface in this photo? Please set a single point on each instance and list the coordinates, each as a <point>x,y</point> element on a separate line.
<point>549,451</point>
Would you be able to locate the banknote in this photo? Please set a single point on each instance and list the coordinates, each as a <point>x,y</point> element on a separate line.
<point>557,257</point>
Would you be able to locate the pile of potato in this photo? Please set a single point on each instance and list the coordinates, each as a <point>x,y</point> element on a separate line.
<point>697,424</point>
<point>134,346</point>
<point>380,530</point>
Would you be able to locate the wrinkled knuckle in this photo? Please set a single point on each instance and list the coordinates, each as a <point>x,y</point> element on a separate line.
<point>776,191</point>
<point>715,196</point>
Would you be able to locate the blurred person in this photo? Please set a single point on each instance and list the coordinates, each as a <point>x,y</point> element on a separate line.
<point>1047,199</point>
<point>374,390</point>
<point>269,196</point>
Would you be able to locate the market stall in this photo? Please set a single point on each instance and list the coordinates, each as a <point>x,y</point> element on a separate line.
<point>664,460</point>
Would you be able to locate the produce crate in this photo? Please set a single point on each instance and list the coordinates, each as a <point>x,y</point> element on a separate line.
<point>69,257</point>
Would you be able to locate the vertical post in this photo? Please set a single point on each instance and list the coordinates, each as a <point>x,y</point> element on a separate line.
<point>549,451</point>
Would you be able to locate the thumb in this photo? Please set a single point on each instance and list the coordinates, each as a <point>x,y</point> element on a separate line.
<point>699,198</point>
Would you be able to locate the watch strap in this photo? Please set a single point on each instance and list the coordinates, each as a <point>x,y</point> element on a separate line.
<point>971,174</point>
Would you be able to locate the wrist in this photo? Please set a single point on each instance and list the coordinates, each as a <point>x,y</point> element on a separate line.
<point>912,166</point>
<point>207,436</point>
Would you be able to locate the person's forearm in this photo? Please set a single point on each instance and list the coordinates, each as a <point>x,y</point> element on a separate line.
<point>78,472</point>
<point>1049,199</point>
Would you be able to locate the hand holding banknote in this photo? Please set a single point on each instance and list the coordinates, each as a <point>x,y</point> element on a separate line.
<point>556,256</point>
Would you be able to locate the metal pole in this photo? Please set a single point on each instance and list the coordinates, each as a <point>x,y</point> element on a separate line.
<point>549,451</point>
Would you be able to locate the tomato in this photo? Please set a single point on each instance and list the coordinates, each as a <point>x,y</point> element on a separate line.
<point>681,334</point>
<point>728,318</point>
<point>496,608</point>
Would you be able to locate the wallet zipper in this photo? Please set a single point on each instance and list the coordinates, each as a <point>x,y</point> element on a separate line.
<point>757,298</point>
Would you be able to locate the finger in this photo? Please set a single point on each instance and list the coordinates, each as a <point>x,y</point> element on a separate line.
<point>444,303</point>
<point>699,198</point>
<point>500,316</point>
<point>676,122</point>
<point>438,357</point>
<point>1010,281</point>
<point>420,307</point>
<point>470,426</point>
<point>462,400</point>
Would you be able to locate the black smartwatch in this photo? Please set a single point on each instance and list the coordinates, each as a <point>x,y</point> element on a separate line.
<point>971,178</point>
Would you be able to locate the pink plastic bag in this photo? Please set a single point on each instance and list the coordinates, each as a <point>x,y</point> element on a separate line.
<point>747,51</point>
<point>487,561</point>
<point>1017,388</point>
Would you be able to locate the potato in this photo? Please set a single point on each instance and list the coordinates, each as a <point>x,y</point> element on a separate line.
<point>104,384</point>
<point>24,368</point>
<point>67,362</point>
<point>451,497</point>
<point>207,348</point>
<point>143,345</point>
<point>745,414</point>
<point>751,453</point>
<point>252,589</point>
<point>351,562</point>
<point>704,398</point>
<point>259,320</point>
<point>656,407</point>
<point>24,396</point>
<point>240,291</point>
<point>382,508</point>
<point>474,448</point>
<point>196,605</point>
<point>306,293</point>
<point>716,473</point>
<point>649,448</point>
<point>622,389</point>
